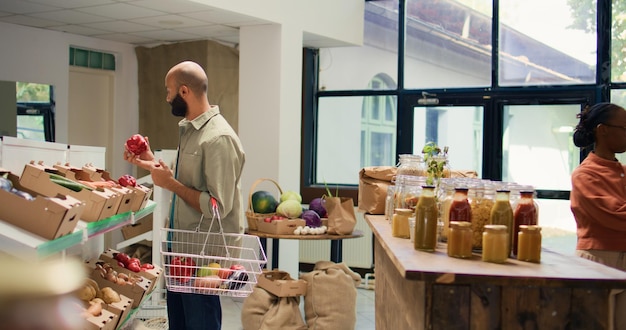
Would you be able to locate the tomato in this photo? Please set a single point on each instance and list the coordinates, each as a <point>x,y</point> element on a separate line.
<point>182,268</point>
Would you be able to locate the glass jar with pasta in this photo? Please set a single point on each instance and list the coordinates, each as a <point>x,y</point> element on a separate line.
<point>481,197</point>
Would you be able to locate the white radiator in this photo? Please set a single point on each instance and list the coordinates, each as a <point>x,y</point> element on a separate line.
<point>357,252</point>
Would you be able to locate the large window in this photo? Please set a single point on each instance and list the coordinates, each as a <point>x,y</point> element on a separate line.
<point>486,78</point>
<point>35,111</point>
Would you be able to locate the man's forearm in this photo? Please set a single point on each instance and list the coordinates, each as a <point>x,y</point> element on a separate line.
<point>189,195</point>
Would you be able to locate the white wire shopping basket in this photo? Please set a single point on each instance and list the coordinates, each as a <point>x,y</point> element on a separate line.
<point>213,263</point>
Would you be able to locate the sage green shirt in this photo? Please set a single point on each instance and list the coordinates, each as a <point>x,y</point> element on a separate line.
<point>210,160</point>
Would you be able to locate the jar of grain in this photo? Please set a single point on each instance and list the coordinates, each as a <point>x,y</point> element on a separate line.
<point>481,197</point>
<point>412,165</point>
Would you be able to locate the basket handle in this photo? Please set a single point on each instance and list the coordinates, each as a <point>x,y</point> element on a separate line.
<point>258,181</point>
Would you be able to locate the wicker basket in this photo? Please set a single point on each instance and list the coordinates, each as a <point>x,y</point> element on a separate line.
<point>254,218</point>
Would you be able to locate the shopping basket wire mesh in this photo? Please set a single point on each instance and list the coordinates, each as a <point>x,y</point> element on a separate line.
<point>214,263</point>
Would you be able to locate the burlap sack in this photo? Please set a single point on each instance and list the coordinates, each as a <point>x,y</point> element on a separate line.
<point>373,184</point>
<point>265,311</point>
<point>330,300</point>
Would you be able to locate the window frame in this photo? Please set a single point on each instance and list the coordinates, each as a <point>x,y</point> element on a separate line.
<point>493,99</point>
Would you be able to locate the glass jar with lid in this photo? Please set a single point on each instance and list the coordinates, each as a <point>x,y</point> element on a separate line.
<point>529,243</point>
<point>409,190</point>
<point>446,194</point>
<point>400,223</point>
<point>525,213</point>
<point>460,239</point>
<point>481,197</point>
<point>412,165</point>
<point>459,209</point>
<point>495,242</point>
<point>502,214</point>
<point>390,202</point>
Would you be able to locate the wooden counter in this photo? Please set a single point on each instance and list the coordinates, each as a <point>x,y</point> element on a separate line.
<point>422,290</point>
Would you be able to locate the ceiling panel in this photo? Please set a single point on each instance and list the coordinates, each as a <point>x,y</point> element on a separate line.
<point>139,22</point>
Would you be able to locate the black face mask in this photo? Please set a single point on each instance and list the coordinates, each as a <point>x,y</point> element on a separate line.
<point>179,106</point>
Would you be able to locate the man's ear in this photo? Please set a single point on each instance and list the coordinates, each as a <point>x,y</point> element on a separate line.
<point>183,90</point>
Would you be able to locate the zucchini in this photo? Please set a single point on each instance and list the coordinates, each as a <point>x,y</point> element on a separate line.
<point>69,184</point>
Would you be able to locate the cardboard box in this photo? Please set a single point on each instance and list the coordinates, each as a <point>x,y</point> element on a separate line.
<point>106,321</point>
<point>136,291</point>
<point>94,174</point>
<point>280,227</point>
<point>121,309</point>
<point>79,175</point>
<point>142,193</point>
<point>144,225</point>
<point>280,284</point>
<point>150,274</point>
<point>48,217</point>
<point>100,203</point>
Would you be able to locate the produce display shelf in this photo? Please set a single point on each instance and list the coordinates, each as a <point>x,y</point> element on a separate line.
<point>105,225</point>
<point>25,244</point>
<point>148,209</point>
<point>117,221</point>
<point>53,246</point>
<point>133,311</point>
<point>133,240</point>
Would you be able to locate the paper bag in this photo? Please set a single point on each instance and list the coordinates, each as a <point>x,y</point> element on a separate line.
<point>341,216</point>
<point>373,184</point>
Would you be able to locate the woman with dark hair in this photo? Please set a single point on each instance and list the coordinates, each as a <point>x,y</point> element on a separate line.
<point>598,197</point>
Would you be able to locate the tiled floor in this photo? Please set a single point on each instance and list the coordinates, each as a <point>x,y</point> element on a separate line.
<point>231,308</point>
<point>231,314</point>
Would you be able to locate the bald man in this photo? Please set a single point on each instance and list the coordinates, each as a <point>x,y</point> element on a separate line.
<point>209,164</point>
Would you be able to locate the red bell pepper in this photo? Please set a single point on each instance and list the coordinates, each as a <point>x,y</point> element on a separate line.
<point>182,268</point>
<point>137,144</point>
<point>127,180</point>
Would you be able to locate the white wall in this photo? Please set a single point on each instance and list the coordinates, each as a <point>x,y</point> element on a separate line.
<point>42,56</point>
<point>270,60</point>
<point>341,20</point>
